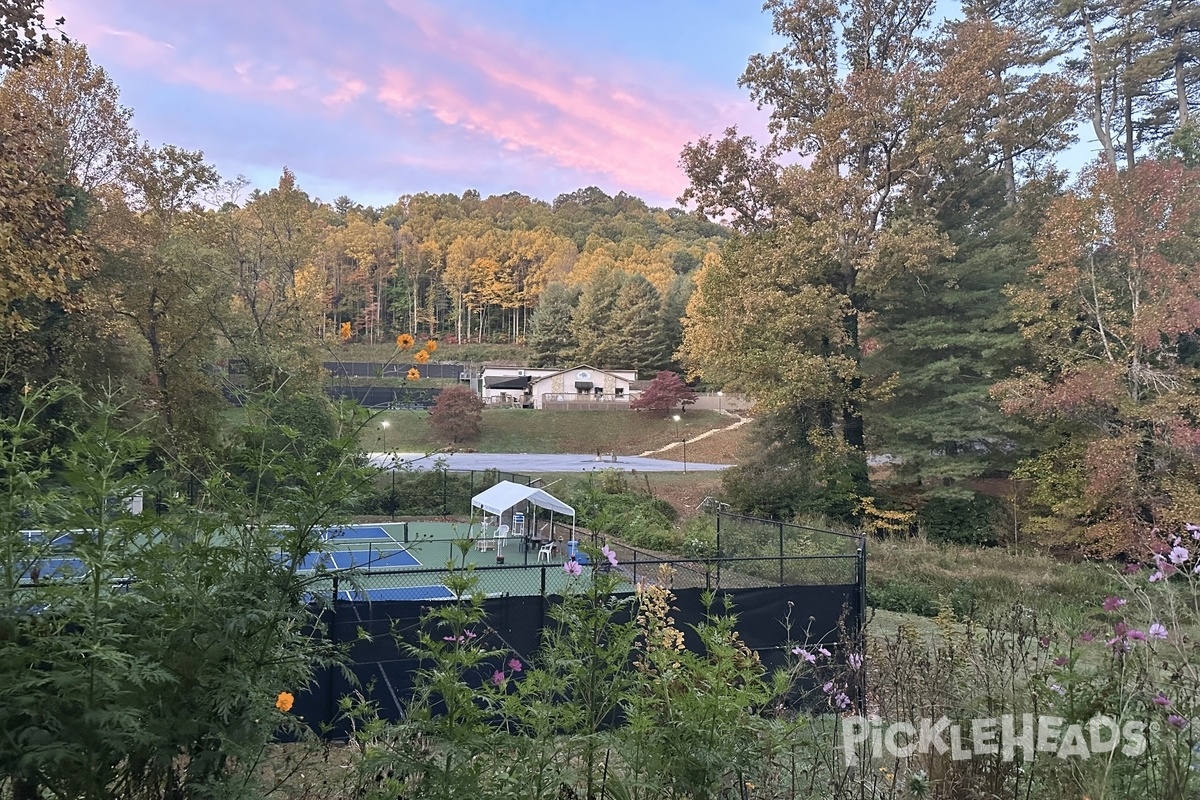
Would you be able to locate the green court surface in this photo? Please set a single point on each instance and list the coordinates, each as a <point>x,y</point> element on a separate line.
<point>408,561</point>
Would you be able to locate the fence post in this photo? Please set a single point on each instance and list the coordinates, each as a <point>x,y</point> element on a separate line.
<point>720,554</point>
<point>781,554</point>
<point>330,672</point>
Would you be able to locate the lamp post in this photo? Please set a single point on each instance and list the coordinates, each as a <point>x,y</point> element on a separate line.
<point>383,425</point>
<point>682,440</point>
<point>720,395</point>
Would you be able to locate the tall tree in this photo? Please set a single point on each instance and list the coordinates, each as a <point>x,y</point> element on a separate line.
<point>1112,310</point>
<point>638,330</point>
<point>551,337</point>
<point>593,321</point>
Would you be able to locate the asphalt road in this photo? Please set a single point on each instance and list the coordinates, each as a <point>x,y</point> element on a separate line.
<point>537,462</point>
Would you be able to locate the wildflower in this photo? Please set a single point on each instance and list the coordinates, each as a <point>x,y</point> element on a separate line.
<point>1137,636</point>
<point>572,568</point>
<point>404,341</point>
<point>841,700</point>
<point>1179,555</point>
<point>1176,721</point>
<point>1087,636</point>
<point>1161,700</point>
<point>345,332</point>
<point>609,554</point>
<point>431,345</point>
<point>1061,661</point>
<point>413,374</point>
<point>1158,631</point>
<point>1054,687</point>
<point>1044,642</point>
<point>514,664</point>
<point>497,677</point>
<point>828,688</point>
<point>855,661</point>
<point>284,701</point>
<point>823,651</point>
<point>1156,576</point>
<point>421,357</point>
<point>1112,603</point>
<point>804,654</point>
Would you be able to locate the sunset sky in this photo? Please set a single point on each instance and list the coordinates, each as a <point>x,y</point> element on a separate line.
<point>378,98</point>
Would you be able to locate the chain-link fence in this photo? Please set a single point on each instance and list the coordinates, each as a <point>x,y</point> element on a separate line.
<point>430,492</point>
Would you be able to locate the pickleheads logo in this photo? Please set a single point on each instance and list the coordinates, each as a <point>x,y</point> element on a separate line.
<point>1005,736</point>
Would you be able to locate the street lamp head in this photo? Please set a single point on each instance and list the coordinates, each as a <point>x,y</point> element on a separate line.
<point>676,418</point>
<point>384,423</point>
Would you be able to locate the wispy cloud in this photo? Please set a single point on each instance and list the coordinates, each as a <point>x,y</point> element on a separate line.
<point>415,83</point>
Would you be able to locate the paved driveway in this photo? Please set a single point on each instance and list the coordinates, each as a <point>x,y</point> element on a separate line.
<point>537,462</point>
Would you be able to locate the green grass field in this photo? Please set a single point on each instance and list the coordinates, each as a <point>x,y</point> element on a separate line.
<point>511,430</point>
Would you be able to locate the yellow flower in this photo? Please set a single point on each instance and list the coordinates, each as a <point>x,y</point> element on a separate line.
<point>413,375</point>
<point>345,332</point>
<point>404,341</point>
<point>284,701</point>
<point>431,345</point>
<point>421,357</point>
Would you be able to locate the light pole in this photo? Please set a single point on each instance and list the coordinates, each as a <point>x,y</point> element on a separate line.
<point>720,395</point>
<point>682,440</point>
<point>383,425</point>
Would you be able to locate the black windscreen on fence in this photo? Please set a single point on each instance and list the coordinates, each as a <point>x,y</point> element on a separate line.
<point>383,670</point>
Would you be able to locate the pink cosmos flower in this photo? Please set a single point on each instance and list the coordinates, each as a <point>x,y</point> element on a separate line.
<point>855,661</point>
<point>841,700</point>
<point>1087,636</point>
<point>1176,721</point>
<point>1061,661</point>
<point>804,654</point>
<point>1161,700</point>
<point>515,664</point>
<point>1158,631</point>
<point>497,677</point>
<point>1179,555</point>
<point>1112,603</point>
<point>572,568</point>
<point>828,688</point>
<point>609,554</point>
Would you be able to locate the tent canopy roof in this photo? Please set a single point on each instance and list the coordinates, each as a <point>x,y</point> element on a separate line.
<point>506,494</point>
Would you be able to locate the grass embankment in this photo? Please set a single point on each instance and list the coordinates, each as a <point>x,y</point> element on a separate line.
<point>512,430</point>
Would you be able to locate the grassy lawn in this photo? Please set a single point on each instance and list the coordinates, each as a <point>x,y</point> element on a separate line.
<point>511,430</point>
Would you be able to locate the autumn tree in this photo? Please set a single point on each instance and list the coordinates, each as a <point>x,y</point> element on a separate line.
<point>1112,310</point>
<point>457,415</point>
<point>665,392</point>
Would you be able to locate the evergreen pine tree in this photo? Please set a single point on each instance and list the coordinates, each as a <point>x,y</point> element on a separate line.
<point>551,336</point>
<point>674,308</point>
<point>593,321</point>
<point>637,318</point>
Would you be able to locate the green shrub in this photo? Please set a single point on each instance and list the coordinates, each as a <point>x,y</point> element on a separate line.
<point>959,520</point>
<point>903,597</point>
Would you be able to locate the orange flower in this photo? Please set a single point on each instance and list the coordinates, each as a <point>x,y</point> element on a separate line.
<point>345,332</point>
<point>431,345</point>
<point>284,701</point>
<point>404,341</point>
<point>421,357</point>
<point>413,375</point>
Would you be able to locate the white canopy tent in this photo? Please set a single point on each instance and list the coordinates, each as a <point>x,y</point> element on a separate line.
<point>506,495</point>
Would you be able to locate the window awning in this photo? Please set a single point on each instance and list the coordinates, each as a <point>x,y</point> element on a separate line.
<point>583,384</point>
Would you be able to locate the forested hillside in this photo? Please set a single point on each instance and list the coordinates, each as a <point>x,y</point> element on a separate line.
<point>905,269</point>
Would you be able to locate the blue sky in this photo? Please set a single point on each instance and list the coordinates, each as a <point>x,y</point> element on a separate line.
<point>378,98</point>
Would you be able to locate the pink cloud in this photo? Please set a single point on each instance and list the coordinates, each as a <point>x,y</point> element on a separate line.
<point>424,80</point>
